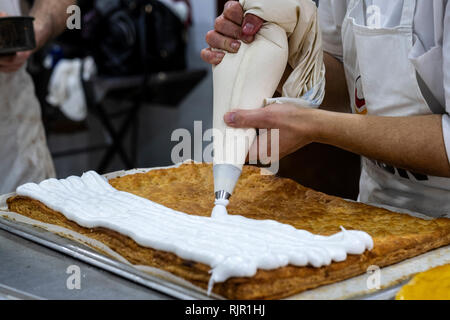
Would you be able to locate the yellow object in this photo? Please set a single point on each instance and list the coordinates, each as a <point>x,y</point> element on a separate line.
<point>433,284</point>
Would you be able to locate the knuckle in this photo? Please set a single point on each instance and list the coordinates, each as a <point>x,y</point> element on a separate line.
<point>218,24</point>
<point>241,119</point>
<point>233,6</point>
<point>209,36</point>
<point>234,12</point>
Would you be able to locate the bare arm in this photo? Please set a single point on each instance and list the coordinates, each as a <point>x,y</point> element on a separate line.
<point>50,18</point>
<point>414,143</point>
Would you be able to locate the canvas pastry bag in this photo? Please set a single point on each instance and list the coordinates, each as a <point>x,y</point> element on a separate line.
<point>382,81</point>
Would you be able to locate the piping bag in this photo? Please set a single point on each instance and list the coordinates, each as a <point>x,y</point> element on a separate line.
<point>249,78</point>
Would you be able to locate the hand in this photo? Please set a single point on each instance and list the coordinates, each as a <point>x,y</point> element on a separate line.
<point>229,28</point>
<point>295,124</point>
<point>14,62</point>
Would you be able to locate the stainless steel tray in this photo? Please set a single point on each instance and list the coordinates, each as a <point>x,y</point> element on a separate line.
<point>88,255</point>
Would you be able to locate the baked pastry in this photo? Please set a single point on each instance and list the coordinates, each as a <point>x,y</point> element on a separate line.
<point>189,188</point>
<point>433,284</point>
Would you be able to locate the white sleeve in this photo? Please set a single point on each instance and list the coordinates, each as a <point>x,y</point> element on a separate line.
<point>446,66</point>
<point>331,16</point>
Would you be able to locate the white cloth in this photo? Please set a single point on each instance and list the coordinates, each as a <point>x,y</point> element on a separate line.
<point>430,53</point>
<point>299,19</point>
<point>65,87</point>
<point>23,149</point>
<point>382,81</point>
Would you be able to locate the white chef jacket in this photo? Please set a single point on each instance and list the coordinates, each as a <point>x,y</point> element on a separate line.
<point>24,155</point>
<point>431,50</point>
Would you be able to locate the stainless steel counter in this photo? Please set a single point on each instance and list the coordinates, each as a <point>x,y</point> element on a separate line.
<point>29,270</point>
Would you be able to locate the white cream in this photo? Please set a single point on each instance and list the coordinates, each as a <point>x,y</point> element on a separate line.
<point>232,245</point>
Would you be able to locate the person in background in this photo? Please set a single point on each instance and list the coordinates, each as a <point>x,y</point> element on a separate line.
<point>391,60</point>
<point>23,148</point>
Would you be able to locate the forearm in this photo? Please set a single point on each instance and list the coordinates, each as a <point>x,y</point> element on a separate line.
<point>414,143</point>
<point>50,18</point>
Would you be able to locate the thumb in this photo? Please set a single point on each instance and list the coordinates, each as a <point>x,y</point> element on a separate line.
<point>251,25</point>
<point>3,14</point>
<point>258,118</point>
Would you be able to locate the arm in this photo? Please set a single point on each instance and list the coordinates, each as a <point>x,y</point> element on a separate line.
<point>414,143</point>
<point>50,20</point>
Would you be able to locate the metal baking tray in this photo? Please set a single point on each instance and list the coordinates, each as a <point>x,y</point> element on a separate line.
<point>86,254</point>
<point>397,275</point>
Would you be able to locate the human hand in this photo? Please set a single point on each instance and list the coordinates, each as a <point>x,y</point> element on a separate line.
<point>12,63</point>
<point>296,125</point>
<point>229,28</point>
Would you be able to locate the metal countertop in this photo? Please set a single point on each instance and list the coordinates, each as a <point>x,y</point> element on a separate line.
<point>29,270</point>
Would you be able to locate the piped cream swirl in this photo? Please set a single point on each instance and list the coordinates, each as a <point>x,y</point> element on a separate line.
<point>232,245</point>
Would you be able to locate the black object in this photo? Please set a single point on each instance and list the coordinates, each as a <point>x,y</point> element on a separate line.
<point>130,37</point>
<point>16,34</point>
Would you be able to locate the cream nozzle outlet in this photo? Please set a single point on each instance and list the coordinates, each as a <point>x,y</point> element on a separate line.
<point>243,81</point>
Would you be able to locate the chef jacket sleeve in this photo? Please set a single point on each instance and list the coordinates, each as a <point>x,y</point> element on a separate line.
<point>446,67</point>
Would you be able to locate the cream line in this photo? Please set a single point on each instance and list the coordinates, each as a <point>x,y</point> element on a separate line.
<point>232,245</point>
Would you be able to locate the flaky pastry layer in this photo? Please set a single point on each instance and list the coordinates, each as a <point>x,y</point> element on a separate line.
<point>189,188</point>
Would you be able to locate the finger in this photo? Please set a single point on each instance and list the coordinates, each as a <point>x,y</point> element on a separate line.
<point>3,14</point>
<point>251,25</point>
<point>23,55</point>
<point>233,11</point>
<point>227,28</point>
<point>218,41</point>
<point>7,60</point>
<point>16,60</point>
<point>212,57</point>
<point>258,118</point>
<point>9,69</point>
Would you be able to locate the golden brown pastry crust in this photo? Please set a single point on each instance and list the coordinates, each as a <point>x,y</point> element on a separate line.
<point>189,188</point>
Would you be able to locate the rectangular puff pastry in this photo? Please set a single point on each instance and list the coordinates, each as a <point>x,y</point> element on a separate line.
<point>189,188</point>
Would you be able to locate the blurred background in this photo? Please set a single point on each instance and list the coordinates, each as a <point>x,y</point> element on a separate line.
<point>127,125</point>
<point>142,78</point>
